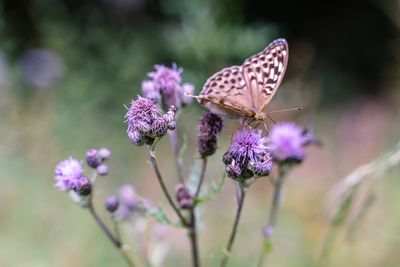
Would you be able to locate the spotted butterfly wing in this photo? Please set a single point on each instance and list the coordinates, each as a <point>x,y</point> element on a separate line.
<point>243,91</point>
<point>264,72</point>
<point>225,93</point>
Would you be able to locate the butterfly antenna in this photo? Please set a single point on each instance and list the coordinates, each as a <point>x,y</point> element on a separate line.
<point>193,96</point>
<point>285,110</point>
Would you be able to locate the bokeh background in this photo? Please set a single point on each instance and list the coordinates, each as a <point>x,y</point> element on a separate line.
<point>67,67</point>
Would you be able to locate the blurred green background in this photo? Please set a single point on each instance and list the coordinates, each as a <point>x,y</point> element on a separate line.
<point>67,67</point>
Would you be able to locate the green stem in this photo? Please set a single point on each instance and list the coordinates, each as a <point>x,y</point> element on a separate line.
<point>273,214</point>
<point>163,186</point>
<point>228,248</point>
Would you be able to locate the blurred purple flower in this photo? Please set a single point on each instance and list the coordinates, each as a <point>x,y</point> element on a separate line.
<point>111,203</point>
<point>183,196</point>
<point>150,91</point>
<point>93,159</point>
<point>268,231</point>
<point>287,142</point>
<point>67,173</point>
<point>145,121</point>
<point>104,153</point>
<point>130,202</point>
<point>82,186</point>
<point>247,155</point>
<point>209,127</point>
<point>166,83</point>
<point>102,169</point>
<point>186,92</point>
<point>41,67</point>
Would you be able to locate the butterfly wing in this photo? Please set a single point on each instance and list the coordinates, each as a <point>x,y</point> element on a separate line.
<point>264,72</point>
<point>225,93</point>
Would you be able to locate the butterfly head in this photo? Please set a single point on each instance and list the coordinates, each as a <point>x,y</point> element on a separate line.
<point>261,116</point>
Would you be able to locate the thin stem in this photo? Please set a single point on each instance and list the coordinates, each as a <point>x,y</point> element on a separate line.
<point>163,186</point>
<point>176,147</point>
<point>122,248</point>
<point>235,226</point>
<point>273,214</point>
<point>193,238</point>
<point>192,228</point>
<point>102,225</point>
<point>201,180</point>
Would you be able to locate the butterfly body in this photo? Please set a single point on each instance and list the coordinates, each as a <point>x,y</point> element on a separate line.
<point>244,91</point>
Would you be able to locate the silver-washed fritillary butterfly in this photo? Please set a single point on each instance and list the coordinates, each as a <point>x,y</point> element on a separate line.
<point>244,91</point>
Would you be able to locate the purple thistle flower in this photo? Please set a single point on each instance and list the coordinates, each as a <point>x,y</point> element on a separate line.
<point>287,142</point>
<point>150,91</point>
<point>104,153</point>
<point>246,145</point>
<point>209,126</point>
<point>102,169</point>
<point>233,171</point>
<point>247,155</point>
<point>82,186</point>
<point>145,121</point>
<point>92,158</point>
<point>166,79</point>
<point>111,204</point>
<point>169,117</point>
<point>136,138</point>
<point>67,172</point>
<point>129,203</point>
<point>166,85</point>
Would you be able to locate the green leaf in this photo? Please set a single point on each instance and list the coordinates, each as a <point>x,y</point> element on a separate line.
<point>213,193</point>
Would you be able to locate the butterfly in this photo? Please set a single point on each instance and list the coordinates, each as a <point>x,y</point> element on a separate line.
<point>244,91</point>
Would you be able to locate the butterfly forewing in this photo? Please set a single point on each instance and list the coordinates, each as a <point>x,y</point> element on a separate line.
<point>244,91</point>
<point>226,93</point>
<point>264,72</point>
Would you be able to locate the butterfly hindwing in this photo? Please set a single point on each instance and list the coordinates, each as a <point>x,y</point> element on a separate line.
<point>264,72</point>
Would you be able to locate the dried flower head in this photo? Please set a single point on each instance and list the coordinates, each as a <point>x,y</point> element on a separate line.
<point>67,173</point>
<point>287,142</point>
<point>247,155</point>
<point>183,196</point>
<point>209,126</point>
<point>145,121</point>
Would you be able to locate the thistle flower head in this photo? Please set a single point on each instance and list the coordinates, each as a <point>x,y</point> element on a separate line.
<point>102,169</point>
<point>82,186</point>
<point>67,173</point>
<point>93,159</point>
<point>150,91</point>
<point>247,155</point>
<point>165,85</point>
<point>209,126</point>
<point>145,121</point>
<point>287,142</point>
<point>111,203</point>
<point>183,196</point>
